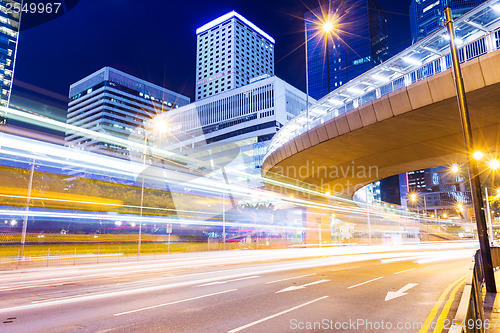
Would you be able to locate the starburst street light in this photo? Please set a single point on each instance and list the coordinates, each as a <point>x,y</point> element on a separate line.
<point>160,124</point>
<point>324,24</point>
<point>455,169</point>
<point>413,197</point>
<point>494,164</point>
<point>478,155</point>
<point>327,27</point>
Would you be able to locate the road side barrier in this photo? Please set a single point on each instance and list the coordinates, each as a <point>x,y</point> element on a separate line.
<point>470,314</point>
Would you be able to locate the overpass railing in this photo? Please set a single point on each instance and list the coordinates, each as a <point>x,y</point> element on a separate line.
<point>477,32</point>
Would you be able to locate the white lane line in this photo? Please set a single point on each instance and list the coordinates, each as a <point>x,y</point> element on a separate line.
<point>170,303</point>
<point>291,278</point>
<point>291,288</point>
<point>408,258</point>
<point>406,270</point>
<point>362,283</point>
<point>341,269</point>
<point>222,282</point>
<point>275,315</point>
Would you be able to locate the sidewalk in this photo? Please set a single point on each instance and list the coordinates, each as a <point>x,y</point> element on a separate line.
<point>492,307</point>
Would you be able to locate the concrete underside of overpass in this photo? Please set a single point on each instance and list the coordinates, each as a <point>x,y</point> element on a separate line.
<point>413,128</point>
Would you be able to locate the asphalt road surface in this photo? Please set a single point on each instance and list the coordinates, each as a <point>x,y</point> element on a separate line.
<point>355,289</point>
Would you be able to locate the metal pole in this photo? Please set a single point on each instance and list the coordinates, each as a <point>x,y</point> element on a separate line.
<point>426,219</point>
<point>319,234</point>
<point>488,214</point>
<point>142,193</point>
<point>307,76</point>
<point>25,219</point>
<point>368,216</point>
<point>327,64</point>
<point>477,201</point>
<point>224,219</point>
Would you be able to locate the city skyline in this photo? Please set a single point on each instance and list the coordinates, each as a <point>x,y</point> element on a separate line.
<point>171,65</point>
<point>163,169</point>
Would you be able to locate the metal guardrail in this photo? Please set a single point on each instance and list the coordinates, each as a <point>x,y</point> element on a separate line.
<point>477,32</point>
<point>470,314</point>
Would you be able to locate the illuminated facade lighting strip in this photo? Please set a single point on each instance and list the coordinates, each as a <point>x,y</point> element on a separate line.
<point>229,16</point>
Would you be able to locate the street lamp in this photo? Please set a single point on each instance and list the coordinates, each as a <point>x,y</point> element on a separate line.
<point>494,164</point>
<point>327,26</point>
<point>159,124</point>
<point>478,155</point>
<point>485,250</point>
<point>414,199</point>
<point>328,29</point>
<point>25,219</point>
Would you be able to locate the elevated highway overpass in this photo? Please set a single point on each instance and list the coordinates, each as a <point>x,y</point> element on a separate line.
<point>400,116</point>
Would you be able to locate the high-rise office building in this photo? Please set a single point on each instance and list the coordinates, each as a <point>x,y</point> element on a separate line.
<point>110,101</point>
<point>9,34</point>
<point>230,51</point>
<point>357,43</point>
<point>245,118</point>
<point>427,15</point>
<point>438,190</point>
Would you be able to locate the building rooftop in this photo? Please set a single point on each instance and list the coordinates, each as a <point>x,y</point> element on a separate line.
<point>229,16</point>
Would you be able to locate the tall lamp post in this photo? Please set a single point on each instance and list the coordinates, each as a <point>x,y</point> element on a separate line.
<point>159,125</point>
<point>327,27</point>
<point>482,230</point>
<point>25,219</point>
<point>414,199</point>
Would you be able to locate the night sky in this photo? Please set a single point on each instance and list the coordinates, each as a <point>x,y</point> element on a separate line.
<point>155,40</point>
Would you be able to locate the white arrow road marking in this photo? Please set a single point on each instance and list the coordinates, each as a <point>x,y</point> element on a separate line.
<point>291,288</point>
<point>400,292</point>
<point>222,282</point>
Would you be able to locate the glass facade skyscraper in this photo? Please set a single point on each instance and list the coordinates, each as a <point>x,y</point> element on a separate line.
<point>427,15</point>
<point>245,118</point>
<point>357,43</point>
<point>9,34</point>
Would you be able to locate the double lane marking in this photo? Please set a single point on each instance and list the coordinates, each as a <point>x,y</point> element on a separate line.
<point>444,313</point>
